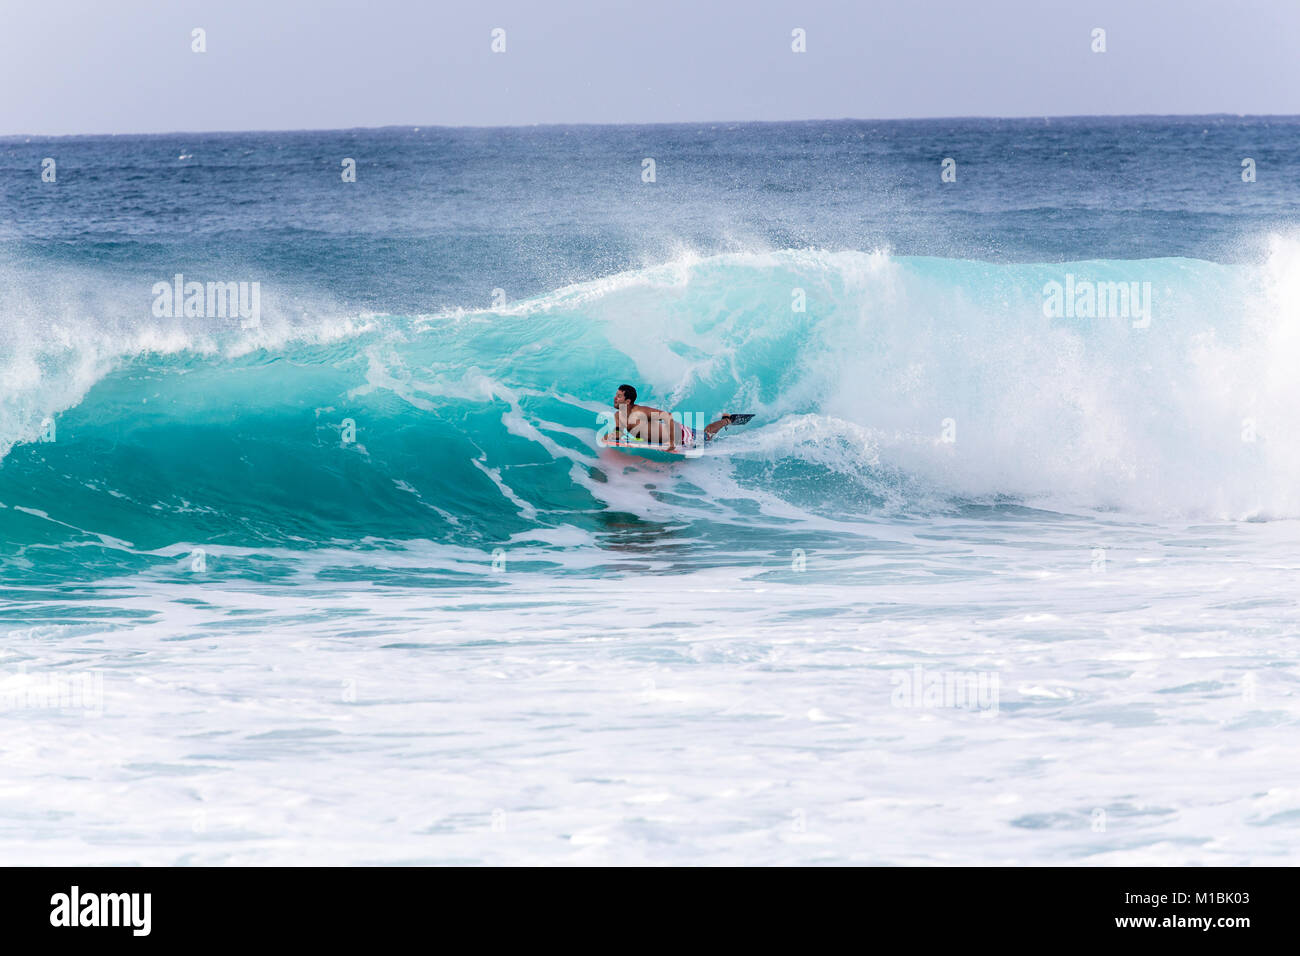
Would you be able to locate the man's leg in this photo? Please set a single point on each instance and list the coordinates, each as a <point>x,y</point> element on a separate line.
<point>712,430</point>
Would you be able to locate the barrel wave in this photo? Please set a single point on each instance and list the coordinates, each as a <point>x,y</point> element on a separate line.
<point>881,384</point>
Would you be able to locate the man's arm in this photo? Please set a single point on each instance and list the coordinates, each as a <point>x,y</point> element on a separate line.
<point>613,428</point>
<point>674,430</point>
<point>638,422</point>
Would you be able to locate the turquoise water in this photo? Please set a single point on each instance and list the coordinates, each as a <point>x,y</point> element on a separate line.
<point>357,584</point>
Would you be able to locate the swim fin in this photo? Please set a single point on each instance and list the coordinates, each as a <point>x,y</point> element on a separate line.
<point>738,418</point>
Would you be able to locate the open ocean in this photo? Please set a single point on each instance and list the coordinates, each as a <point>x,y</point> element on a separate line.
<point>346,579</point>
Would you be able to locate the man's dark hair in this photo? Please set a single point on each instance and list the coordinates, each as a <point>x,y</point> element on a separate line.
<point>629,391</point>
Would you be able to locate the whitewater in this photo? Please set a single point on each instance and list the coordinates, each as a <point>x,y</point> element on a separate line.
<point>980,583</point>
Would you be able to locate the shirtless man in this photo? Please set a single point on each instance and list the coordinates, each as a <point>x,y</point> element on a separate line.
<point>654,424</point>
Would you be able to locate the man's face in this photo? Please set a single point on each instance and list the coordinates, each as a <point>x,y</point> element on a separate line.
<point>620,399</point>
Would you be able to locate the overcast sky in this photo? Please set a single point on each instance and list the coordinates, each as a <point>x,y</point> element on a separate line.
<point>124,66</point>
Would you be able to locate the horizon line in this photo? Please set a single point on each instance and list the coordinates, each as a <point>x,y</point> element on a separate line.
<point>730,122</point>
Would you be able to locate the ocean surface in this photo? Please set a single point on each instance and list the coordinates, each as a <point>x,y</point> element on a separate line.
<point>998,574</point>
